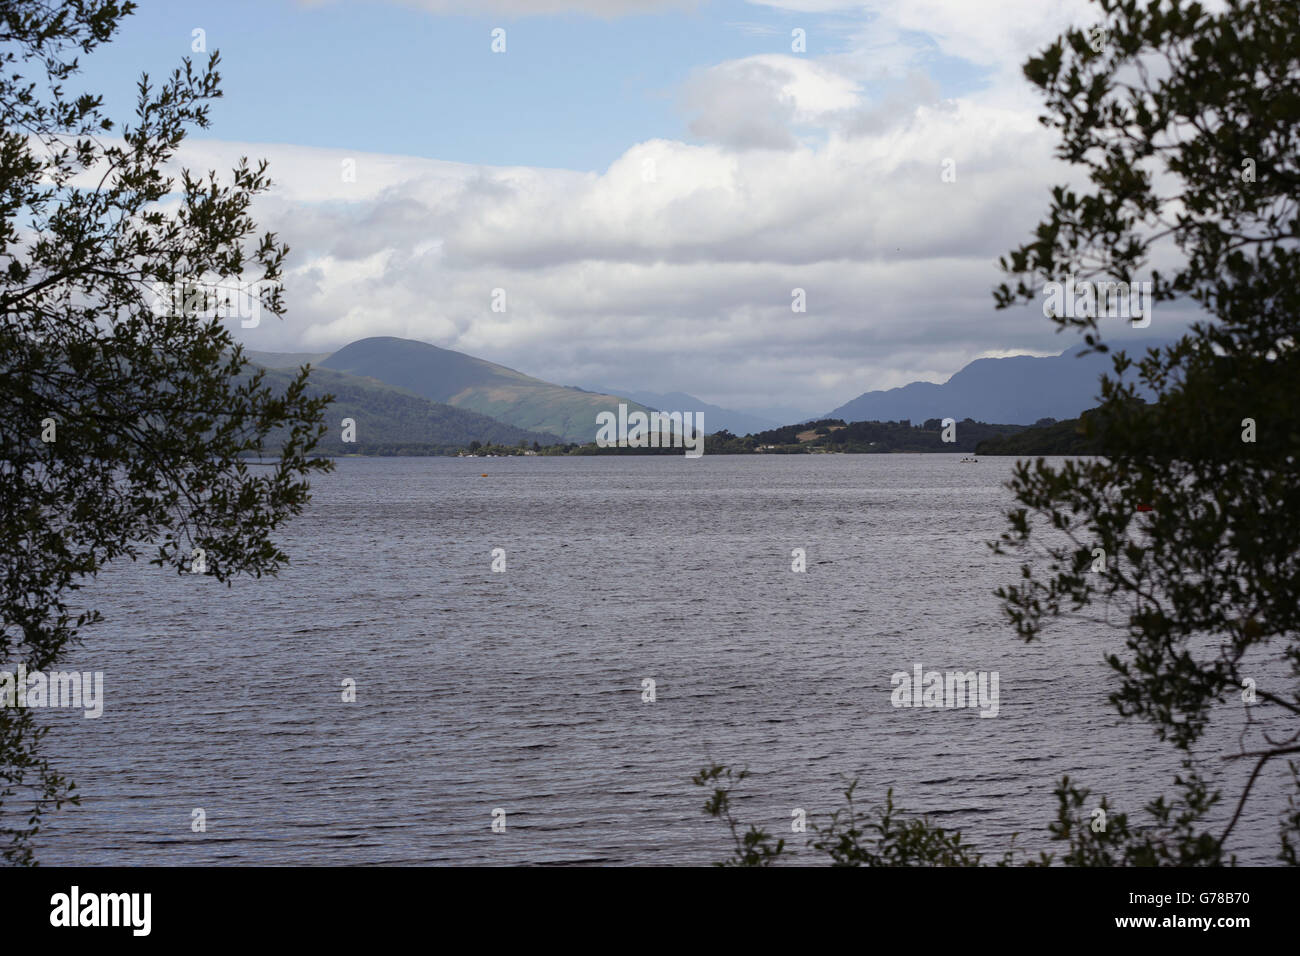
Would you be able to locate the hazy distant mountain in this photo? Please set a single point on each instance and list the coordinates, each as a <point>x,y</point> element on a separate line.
<point>1018,390</point>
<point>285,359</point>
<point>716,418</point>
<point>442,375</point>
<point>394,421</point>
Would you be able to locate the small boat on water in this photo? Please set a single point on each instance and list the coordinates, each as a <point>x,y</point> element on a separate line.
<point>969,461</point>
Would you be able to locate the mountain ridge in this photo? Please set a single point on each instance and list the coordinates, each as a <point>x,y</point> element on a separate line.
<point>463,381</point>
<point>1018,389</point>
<point>390,420</point>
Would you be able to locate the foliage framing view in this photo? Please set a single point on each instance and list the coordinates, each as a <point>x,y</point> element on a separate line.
<point>123,427</point>
<point>1187,126</point>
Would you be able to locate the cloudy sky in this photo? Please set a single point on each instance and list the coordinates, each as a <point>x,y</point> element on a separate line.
<point>647,180</point>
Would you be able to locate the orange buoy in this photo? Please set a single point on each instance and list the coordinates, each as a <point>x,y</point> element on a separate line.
<point>484,475</point>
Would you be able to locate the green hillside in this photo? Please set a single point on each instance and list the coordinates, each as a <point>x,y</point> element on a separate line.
<point>836,436</point>
<point>1058,438</point>
<point>465,382</point>
<point>392,421</point>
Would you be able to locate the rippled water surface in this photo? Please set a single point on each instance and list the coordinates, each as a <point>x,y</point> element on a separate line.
<point>523,690</point>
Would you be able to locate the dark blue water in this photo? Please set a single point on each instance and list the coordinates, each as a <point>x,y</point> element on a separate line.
<point>522,690</point>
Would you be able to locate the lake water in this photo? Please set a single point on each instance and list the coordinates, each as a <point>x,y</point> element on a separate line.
<point>523,690</point>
